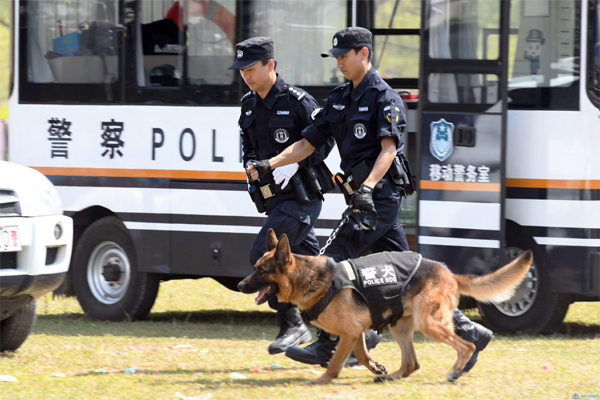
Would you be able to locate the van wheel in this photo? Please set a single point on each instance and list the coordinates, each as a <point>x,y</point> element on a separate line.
<point>15,329</point>
<point>105,276</point>
<point>534,309</point>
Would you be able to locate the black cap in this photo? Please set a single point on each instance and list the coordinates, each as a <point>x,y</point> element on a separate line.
<point>250,51</point>
<point>348,39</point>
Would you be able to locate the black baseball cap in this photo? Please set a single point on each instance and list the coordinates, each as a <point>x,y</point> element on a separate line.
<point>348,39</point>
<point>250,51</point>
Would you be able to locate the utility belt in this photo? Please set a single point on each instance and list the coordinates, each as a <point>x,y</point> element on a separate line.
<point>308,180</point>
<point>399,173</point>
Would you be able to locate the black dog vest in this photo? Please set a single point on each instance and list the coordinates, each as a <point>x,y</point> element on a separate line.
<point>379,279</point>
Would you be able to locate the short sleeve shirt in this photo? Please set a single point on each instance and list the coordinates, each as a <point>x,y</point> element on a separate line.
<point>358,119</point>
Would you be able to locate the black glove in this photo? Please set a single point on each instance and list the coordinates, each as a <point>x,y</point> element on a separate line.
<point>263,167</point>
<point>362,199</point>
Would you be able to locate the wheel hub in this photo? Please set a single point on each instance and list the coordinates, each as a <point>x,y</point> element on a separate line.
<point>111,272</point>
<point>108,272</point>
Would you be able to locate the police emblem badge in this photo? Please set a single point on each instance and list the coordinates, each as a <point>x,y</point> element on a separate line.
<point>240,54</point>
<point>441,144</point>
<point>360,130</point>
<point>281,135</point>
<point>335,41</point>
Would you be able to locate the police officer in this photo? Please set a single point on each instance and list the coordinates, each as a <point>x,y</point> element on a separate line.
<point>366,117</point>
<point>272,117</point>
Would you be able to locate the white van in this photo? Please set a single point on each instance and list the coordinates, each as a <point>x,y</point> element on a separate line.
<point>35,248</point>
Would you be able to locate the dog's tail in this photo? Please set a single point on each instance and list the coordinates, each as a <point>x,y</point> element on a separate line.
<point>499,285</point>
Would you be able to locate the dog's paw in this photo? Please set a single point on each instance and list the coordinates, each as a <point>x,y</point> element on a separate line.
<point>453,376</point>
<point>379,369</point>
<point>318,381</point>
<point>382,378</point>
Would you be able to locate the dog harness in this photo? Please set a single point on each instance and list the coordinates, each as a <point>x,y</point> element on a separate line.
<point>379,279</point>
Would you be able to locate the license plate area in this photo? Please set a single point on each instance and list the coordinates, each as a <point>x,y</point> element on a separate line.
<point>10,240</point>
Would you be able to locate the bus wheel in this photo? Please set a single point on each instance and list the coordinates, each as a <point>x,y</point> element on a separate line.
<point>534,309</point>
<point>107,282</point>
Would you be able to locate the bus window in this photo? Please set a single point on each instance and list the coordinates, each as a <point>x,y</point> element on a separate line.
<point>397,55</point>
<point>465,30</point>
<point>593,68</point>
<point>300,30</point>
<point>74,42</point>
<point>211,41</point>
<point>463,88</point>
<point>159,44</point>
<point>461,30</point>
<point>544,69</point>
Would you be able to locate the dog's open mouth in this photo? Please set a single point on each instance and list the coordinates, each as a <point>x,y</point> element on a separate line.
<point>265,294</point>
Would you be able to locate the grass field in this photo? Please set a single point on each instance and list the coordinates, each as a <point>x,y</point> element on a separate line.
<point>199,334</point>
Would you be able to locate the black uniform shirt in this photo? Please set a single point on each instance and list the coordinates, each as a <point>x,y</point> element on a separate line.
<point>358,119</point>
<point>271,124</point>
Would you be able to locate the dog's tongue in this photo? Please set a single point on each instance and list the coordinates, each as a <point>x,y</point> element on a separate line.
<point>261,294</point>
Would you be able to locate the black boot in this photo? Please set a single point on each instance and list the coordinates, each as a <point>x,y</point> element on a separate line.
<point>292,331</point>
<point>472,332</point>
<point>319,352</point>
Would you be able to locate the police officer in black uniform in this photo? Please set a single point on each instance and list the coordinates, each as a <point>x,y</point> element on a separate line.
<point>366,117</point>
<point>273,116</point>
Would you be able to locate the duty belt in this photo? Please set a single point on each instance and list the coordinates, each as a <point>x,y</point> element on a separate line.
<point>268,190</point>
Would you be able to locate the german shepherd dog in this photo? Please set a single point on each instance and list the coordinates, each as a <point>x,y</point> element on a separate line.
<point>429,300</point>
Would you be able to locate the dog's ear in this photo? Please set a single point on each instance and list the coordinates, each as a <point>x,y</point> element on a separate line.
<point>283,252</point>
<point>271,240</point>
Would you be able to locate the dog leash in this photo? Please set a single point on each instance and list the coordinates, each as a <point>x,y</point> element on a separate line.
<point>345,219</point>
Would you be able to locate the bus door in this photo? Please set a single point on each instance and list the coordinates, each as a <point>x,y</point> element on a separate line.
<point>463,94</point>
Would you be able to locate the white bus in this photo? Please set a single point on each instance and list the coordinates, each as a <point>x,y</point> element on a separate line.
<point>129,109</point>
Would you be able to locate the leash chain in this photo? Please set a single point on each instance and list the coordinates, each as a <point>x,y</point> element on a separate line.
<point>331,238</point>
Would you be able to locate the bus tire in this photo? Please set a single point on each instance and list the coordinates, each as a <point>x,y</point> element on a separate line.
<point>15,329</point>
<point>534,309</point>
<point>105,276</point>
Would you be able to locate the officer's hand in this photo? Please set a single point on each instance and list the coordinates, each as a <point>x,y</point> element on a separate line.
<point>261,168</point>
<point>251,173</point>
<point>362,199</point>
<point>284,174</point>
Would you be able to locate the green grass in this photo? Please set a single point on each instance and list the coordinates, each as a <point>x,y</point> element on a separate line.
<point>220,332</point>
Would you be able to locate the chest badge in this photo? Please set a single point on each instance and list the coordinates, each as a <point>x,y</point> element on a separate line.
<point>248,113</point>
<point>360,130</point>
<point>339,106</point>
<point>281,135</point>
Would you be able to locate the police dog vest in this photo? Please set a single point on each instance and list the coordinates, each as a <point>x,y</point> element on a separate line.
<point>379,279</point>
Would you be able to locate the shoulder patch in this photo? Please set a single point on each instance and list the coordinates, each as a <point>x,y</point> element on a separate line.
<point>298,93</point>
<point>247,96</point>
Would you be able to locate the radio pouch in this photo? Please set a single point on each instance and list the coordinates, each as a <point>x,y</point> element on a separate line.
<point>408,181</point>
<point>325,178</point>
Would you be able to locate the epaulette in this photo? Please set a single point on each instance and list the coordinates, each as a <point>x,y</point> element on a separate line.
<point>340,87</point>
<point>247,96</point>
<point>298,93</point>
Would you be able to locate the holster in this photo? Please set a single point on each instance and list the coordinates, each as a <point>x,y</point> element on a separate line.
<point>255,195</point>
<point>401,174</point>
